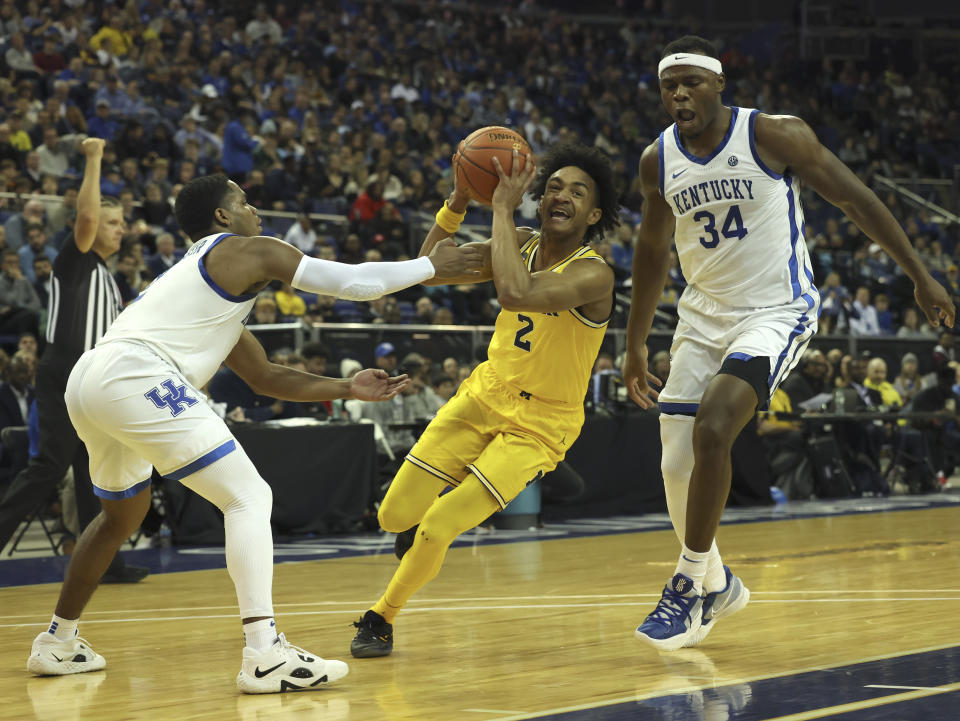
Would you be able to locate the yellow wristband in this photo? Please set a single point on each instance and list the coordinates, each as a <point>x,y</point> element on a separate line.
<point>448,219</point>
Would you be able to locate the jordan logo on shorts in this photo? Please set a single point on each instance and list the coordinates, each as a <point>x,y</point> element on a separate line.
<point>175,399</point>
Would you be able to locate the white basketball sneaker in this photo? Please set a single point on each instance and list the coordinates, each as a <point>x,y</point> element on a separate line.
<point>284,667</point>
<point>52,657</point>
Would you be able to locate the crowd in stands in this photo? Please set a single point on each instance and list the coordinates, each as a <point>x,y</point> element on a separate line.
<point>345,108</point>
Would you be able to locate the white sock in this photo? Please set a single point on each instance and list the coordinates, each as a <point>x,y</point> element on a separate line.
<point>693,565</point>
<point>716,578</point>
<point>63,629</point>
<point>260,635</point>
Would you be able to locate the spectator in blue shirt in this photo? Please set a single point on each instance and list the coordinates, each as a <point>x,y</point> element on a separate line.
<point>36,247</point>
<point>238,147</point>
<point>101,125</point>
<point>117,100</point>
<point>884,316</point>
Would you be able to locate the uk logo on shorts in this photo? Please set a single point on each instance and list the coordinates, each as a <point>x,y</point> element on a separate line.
<point>175,399</point>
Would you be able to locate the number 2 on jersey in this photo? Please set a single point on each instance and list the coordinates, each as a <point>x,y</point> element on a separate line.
<point>732,226</point>
<point>527,327</point>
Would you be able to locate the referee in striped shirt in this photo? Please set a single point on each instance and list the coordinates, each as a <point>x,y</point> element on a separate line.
<point>84,301</point>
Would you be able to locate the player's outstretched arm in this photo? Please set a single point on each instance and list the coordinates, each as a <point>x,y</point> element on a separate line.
<point>243,264</point>
<point>88,198</point>
<point>651,262</point>
<point>457,205</point>
<point>249,361</point>
<point>787,143</point>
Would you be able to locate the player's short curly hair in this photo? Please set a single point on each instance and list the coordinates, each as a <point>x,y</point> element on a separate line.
<point>691,44</point>
<point>197,202</point>
<point>594,163</point>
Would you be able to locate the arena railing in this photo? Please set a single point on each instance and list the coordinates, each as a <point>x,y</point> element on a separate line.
<point>468,343</point>
<point>943,187</point>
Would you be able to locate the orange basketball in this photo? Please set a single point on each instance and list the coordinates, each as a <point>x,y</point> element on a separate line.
<point>473,162</point>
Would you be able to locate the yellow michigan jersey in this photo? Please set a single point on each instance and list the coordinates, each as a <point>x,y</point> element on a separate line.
<point>549,355</point>
<point>516,416</point>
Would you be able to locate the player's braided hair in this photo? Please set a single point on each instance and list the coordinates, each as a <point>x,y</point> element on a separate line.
<point>197,202</point>
<point>594,163</point>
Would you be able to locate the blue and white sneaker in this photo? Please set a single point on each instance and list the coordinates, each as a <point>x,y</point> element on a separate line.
<point>718,604</point>
<point>676,619</point>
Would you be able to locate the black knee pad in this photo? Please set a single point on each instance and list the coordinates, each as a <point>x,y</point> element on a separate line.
<point>755,371</point>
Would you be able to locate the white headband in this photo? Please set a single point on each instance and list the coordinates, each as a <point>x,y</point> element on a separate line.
<point>701,61</point>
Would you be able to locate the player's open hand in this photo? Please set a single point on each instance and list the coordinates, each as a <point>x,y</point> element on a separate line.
<point>374,384</point>
<point>935,302</point>
<point>452,261</point>
<point>637,378</point>
<point>93,147</point>
<point>510,189</point>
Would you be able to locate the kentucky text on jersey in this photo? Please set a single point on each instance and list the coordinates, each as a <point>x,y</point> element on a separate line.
<point>724,189</point>
<point>739,225</point>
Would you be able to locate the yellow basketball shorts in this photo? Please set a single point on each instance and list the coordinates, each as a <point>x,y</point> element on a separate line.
<point>506,438</point>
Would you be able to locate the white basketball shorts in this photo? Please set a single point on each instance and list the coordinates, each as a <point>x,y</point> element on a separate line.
<point>710,332</point>
<point>134,411</point>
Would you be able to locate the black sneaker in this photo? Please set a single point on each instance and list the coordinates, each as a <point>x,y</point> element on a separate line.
<point>404,541</point>
<point>374,636</point>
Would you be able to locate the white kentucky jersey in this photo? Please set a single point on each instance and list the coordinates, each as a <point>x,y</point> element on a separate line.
<point>185,317</point>
<point>740,230</point>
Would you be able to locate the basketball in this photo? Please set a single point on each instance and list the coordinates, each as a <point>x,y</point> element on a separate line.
<point>473,162</point>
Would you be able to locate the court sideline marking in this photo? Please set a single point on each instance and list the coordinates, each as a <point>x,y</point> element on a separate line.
<point>746,679</point>
<point>498,607</point>
<point>868,703</point>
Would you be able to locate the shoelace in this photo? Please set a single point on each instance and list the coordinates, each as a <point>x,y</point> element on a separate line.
<point>286,645</point>
<point>672,606</point>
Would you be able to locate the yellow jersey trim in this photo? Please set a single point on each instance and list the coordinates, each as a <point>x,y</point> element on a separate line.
<point>582,250</point>
<point>586,321</point>
<point>533,238</point>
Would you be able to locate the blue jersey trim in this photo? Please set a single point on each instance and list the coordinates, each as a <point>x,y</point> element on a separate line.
<point>716,151</point>
<point>203,461</point>
<point>794,236</point>
<point>803,325</point>
<point>120,495</point>
<point>739,356</point>
<point>660,164</point>
<point>680,409</point>
<point>212,283</point>
<point>753,147</point>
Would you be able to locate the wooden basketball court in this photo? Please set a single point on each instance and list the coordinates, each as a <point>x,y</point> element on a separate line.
<point>543,629</point>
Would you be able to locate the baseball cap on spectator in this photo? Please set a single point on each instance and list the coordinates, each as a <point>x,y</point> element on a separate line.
<point>209,91</point>
<point>384,349</point>
<point>908,358</point>
<point>103,101</point>
<point>874,248</point>
<point>356,104</point>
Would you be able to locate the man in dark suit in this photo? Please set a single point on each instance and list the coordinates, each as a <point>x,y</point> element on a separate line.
<point>810,381</point>
<point>16,395</point>
<point>16,392</point>
<point>165,256</point>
